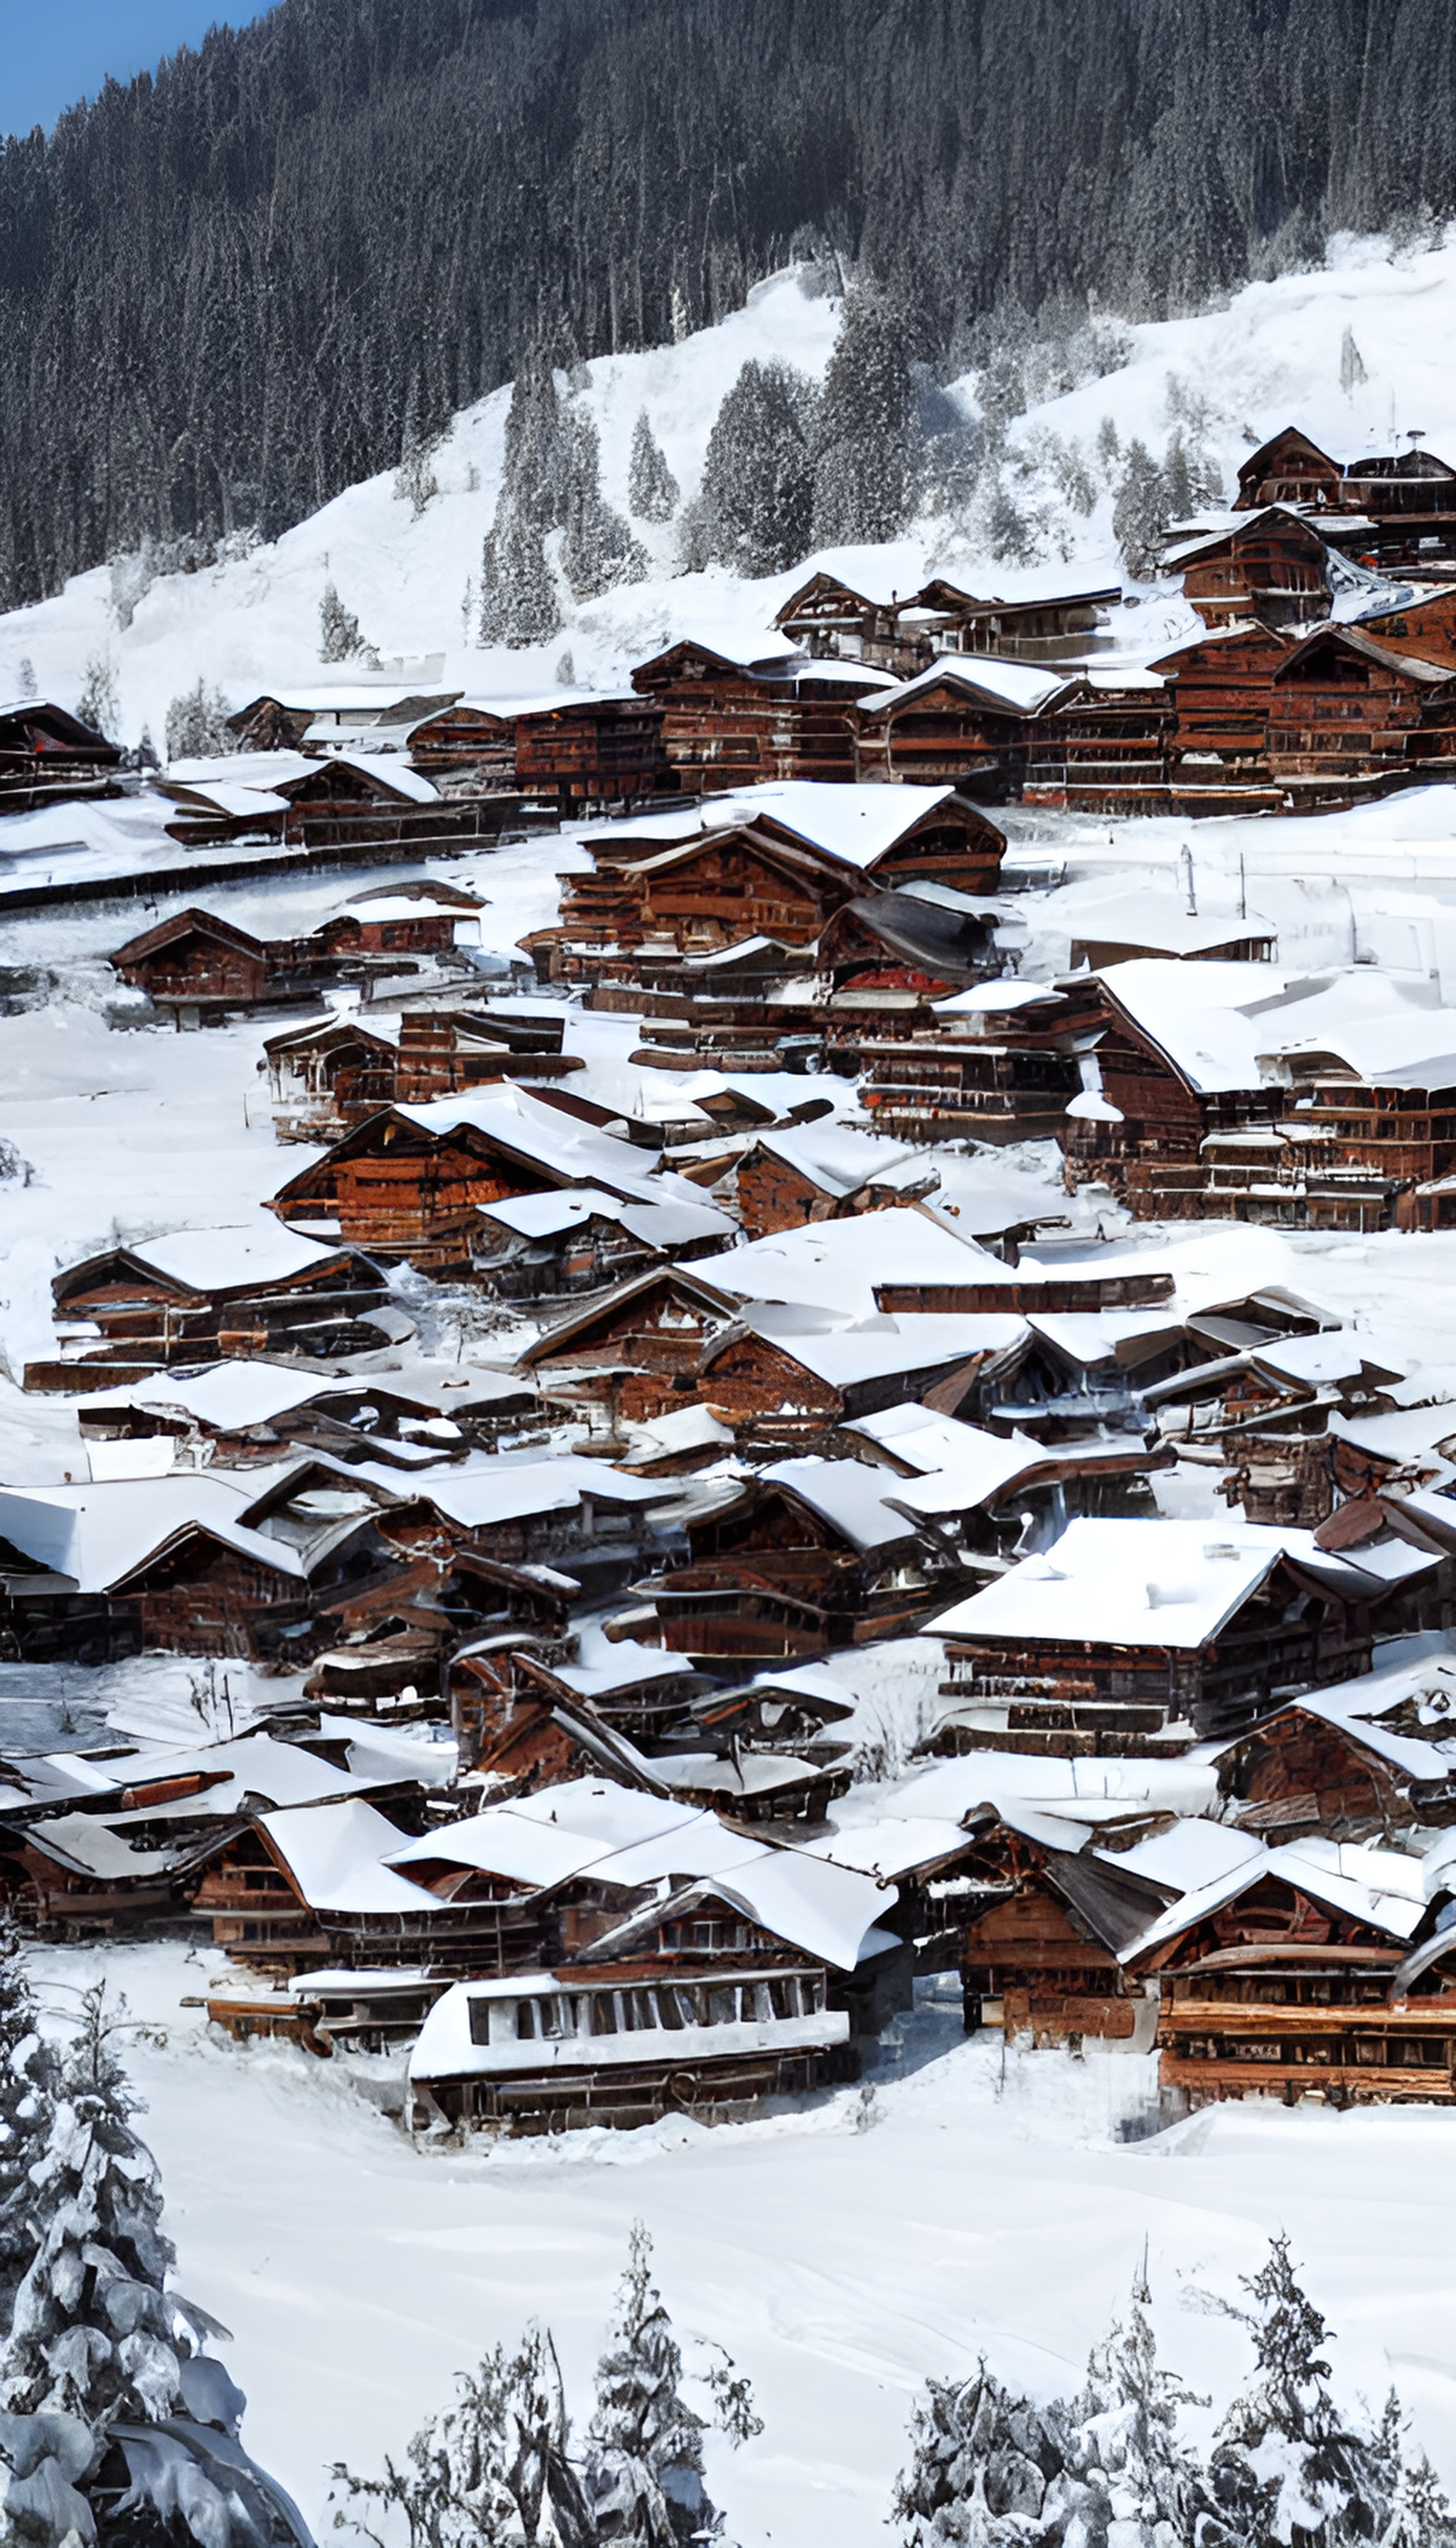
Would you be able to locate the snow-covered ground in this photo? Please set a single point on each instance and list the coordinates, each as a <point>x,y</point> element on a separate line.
<point>1226,379</point>
<point>971,2205</point>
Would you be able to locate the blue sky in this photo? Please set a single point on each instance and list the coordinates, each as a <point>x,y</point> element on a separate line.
<point>51,56</point>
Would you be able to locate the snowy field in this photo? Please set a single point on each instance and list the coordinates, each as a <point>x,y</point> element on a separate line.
<point>969,2205</point>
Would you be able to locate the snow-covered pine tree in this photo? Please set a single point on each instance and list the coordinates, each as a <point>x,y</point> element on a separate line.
<point>598,550</point>
<point>1009,536</point>
<point>1189,478</point>
<point>197,725</point>
<point>97,705</point>
<point>342,640</point>
<point>864,463</point>
<point>115,2427</point>
<point>758,483</point>
<point>533,487</point>
<point>652,489</point>
<point>644,2451</point>
<point>518,603</point>
<point>1129,2477</point>
<point>983,2463</point>
<point>416,483</point>
<point>492,2471</point>
<point>1283,2456</point>
<point>1351,369</point>
<point>28,2078</point>
<point>1142,512</point>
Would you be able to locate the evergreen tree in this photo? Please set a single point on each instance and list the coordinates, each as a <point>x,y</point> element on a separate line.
<point>1129,2477</point>
<point>492,2471</point>
<point>1143,513</point>
<point>1351,369</point>
<point>599,551</point>
<point>652,489</point>
<point>983,2462</point>
<point>342,640</point>
<point>97,705</point>
<point>644,2456</point>
<point>114,2425</point>
<point>755,507</point>
<point>1188,479</point>
<point>1009,536</point>
<point>416,483</point>
<point>197,725</point>
<point>864,464</point>
<point>518,603</point>
<point>27,2080</point>
<point>534,487</point>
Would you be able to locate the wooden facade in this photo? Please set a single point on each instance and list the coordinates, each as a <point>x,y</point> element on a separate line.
<point>1057,629</point>
<point>770,1578</point>
<point>151,1320</point>
<point>1348,717</point>
<point>48,757</point>
<point>326,1078</point>
<point>1296,1772</point>
<point>1272,568</point>
<point>1280,1994</point>
<point>402,1192</point>
<point>827,618</point>
<point>636,1352</point>
<point>1078,1697</point>
<point>723,724</point>
<point>1394,508</point>
<point>195,961</point>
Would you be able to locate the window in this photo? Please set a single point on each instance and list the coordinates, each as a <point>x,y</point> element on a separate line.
<point>525,2020</point>
<point>723,2006</point>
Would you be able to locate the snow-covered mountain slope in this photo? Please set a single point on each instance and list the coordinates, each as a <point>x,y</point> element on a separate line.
<point>1226,379</point>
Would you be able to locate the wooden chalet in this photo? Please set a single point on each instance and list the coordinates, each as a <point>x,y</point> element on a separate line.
<point>1220,689</point>
<point>408,1183</point>
<point>1142,1119</point>
<point>1350,1156</point>
<point>1103,748</point>
<point>48,757</point>
<point>1423,627</point>
<point>198,1295</point>
<point>637,1350</point>
<point>1300,1975</point>
<point>1366,1762</point>
<point>625,2044</point>
<point>1039,1950</point>
<point>828,618</point>
<point>1348,718</point>
<point>993,1074</point>
<point>1398,508</point>
<point>1131,1637</point>
<point>696,898</point>
<point>369,796</point>
<point>574,748</point>
<point>784,1377</point>
<point>197,967</point>
<point>1271,568</point>
<point>552,1248</point>
<point>414,918</point>
<point>728,726</point>
<point>1267,1410</point>
<point>967,721</point>
<point>789,1176</point>
<point>1060,628</point>
<point>1289,468</point>
<point>285,720</point>
<point>309,1888</point>
<point>901,952</point>
<point>331,1074</point>
<point>807,1556</point>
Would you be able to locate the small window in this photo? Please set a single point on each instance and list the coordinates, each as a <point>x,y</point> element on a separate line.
<point>689,2007</point>
<point>556,2018</point>
<point>670,2008</point>
<point>763,2008</point>
<point>525,2021</point>
<point>723,2007</point>
<point>480,2021</point>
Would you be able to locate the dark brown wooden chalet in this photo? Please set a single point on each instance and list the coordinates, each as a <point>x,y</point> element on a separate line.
<point>199,1295</point>
<point>369,796</point>
<point>1144,1137</point>
<point>1131,1637</point>
<point>197,966</point>
<point>901,949</point>
<point>1103,748</point>
<point>467,743</point>
<point>636,1352</point>
<point>1304,1981</point>
<point>1060,628</point>
<point>270,1904</point>
<point>723,724</point>
<point>1221,690</point>
<point>1348,718</point>
<point>695,898</point>
<point>1327,1765</point>
<point>1041,1957</point>
<point>574,748</point>
<point>788,1383</point>
<point>968,721</point>
<point>331,1074</point>
<point>416,918</point>
<point>1000,1076</point>
<point>802,1560</point>
<point>827,618</point>
<point>1272,568</point>
<point>1423,627</point>
<point>46,755</point>
<point>1347,1155</point>
<point>1289,468</point>
<point>1400,506</point>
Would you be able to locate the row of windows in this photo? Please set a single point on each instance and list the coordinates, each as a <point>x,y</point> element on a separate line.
<point>646,2009</point>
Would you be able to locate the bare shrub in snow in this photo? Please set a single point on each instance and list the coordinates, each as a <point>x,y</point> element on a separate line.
<point>342,640</point>
<point>97,705</point>
<point>599,551</point>
<point>197,724</point>
<point>864,458</point>
<point>652,489</point>
<point>27,678</point>
<point>755,511</point>
<point>12,1164</point>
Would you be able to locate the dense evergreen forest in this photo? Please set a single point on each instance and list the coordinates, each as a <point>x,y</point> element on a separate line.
<point>276,268</point>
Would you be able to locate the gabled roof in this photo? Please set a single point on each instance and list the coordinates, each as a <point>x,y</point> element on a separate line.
<point>187,924</point>
<point>1346,640</point>
<point>1378,1887</point>
<point>538,1139</point>
<point>390,775</point>
<point>101,1537</point>
<point>680,1280</point>
<point>881,1348</point>
<point>214,1264</point>
<point>1000,682</point>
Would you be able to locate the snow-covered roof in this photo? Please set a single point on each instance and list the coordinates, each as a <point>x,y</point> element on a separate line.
<point>955,1788</point>
<point>1133,1582</point>
<point>227,796</point>
<point>1191,1853</point>
<point>1237,1025</point>
<point>837,1264</point>
<point>367,908</point>
<point>1355,1707</point>
<point>856,822</point>
<point>575,1151</point>
<point>960,1466</point>
<point>1155,921</point>
<point>547,1215</point>
<point>508,705</point>
<point>891,1846</point>
<point>835,1157</point>
<point>848,1494</point>
<point>336,1853</point>
<point>392,775</point>
<point>881,1347</point>
<point>1379,1886</point>
<point>254,1251</point>
<point>99,1535</point>
<point>501,1486</point>
<point>995,997</point>
<point>1025,688</point>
